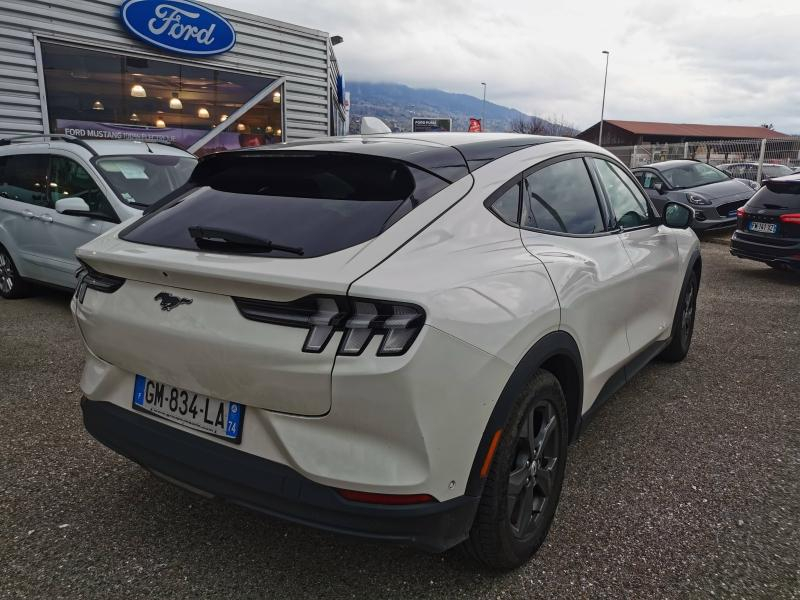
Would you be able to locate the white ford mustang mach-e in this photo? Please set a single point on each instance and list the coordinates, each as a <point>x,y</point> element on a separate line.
<point>394,336</point>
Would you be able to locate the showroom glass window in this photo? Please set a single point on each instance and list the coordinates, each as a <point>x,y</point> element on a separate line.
<point>95,94</point>
<point>561,198</point>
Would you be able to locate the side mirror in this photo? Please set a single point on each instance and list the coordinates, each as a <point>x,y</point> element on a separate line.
<point>677,215</point>
<point>74,206</point>
<point>659,187</point>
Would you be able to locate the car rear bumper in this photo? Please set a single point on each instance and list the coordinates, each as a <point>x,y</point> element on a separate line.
<point>266,486</point>
<point>788,255</point>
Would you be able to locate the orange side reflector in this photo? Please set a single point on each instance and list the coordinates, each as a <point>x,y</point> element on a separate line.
<point>487,462</point>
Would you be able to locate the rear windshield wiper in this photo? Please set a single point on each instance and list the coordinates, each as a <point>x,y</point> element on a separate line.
<point>210,237</point>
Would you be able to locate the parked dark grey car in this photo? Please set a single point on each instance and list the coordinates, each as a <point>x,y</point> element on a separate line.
<point>712,194</point>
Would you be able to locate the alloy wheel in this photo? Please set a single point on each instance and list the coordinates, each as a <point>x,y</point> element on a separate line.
<point>533,473</point>
<point>6,273</point>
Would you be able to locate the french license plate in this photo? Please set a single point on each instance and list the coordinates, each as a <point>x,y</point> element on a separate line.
<point>760,227</point>
<point>217,417</point>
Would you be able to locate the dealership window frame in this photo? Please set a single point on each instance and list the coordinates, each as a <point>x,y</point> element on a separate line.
<point>275,82</point>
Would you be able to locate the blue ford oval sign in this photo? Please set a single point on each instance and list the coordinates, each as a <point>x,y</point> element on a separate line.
<point>178,26</point>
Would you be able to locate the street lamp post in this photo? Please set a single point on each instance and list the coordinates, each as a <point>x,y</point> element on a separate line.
<point>603,106</point>
<point>483,106</point>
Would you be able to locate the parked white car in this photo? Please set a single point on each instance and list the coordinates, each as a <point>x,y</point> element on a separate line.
<point>59,192</point>
<point>393,336</point>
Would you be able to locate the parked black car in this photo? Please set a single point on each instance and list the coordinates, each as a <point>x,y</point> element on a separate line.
<point>768,226</point>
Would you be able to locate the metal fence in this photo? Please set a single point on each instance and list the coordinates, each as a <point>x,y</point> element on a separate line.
<point>741,157</point>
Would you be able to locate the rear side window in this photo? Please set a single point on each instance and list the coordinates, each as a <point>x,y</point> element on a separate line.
<point>506,206</point>
<point>24,179</point>
<point>312,203</point>
<point>561,198</point>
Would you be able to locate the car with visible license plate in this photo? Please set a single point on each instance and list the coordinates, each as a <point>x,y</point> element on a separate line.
<point>392,336</point>
<point>713,195</point>
<point>768,226</point>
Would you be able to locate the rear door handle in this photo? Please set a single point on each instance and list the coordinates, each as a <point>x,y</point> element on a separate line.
<point>45,218</point>
<point>28,214</point>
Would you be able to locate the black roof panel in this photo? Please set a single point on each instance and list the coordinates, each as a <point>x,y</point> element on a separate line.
<point>482,152</point>
<point>450,156</point>
<point>443,161</point>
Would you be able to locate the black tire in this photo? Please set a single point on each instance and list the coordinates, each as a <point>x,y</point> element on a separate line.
<point>11,284</point>
<point>500,538</point>
<point>683,322</point>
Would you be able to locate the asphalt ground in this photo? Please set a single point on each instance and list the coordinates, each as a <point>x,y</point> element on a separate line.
<point>686,485</point>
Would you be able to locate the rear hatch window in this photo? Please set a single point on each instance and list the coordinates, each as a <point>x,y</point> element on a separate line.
<point>286,204</point>
<point>778,194</point>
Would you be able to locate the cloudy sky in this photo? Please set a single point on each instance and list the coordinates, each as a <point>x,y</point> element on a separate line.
<point>728,62</point>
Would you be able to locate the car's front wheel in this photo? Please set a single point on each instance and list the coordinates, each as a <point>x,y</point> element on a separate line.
<point>11,284</point>
<point>524,482</point>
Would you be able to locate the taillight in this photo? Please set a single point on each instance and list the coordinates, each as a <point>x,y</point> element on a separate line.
<point>88,278</point>
<point>359,319</point>
<point>740,212</point>
<point>793,218</point>
<point>389,499</point>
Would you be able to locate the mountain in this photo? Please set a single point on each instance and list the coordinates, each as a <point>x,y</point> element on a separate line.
<point>396,104</point>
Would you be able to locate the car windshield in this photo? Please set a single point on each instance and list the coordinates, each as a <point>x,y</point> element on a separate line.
<point>692,175</point>
<point>776,170</point>
<point>143,179</point>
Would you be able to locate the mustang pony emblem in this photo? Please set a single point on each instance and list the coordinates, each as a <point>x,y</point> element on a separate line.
<point>168,301</point>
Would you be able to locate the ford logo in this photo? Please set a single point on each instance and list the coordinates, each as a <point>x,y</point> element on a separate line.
<point>178,26</point>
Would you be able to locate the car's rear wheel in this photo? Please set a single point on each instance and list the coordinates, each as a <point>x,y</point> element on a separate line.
<point>683,322</point>
<point>11,284</point>
<point>524,482</point>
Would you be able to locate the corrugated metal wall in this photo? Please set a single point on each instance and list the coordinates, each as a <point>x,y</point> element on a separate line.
<point>263,46</point>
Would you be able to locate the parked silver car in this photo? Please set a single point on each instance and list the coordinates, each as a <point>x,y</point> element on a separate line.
<point>749,170</point>
<point>59,192</point>
<point>712,194</point>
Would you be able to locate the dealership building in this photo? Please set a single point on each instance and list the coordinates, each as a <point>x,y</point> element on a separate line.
<point>199,76</point>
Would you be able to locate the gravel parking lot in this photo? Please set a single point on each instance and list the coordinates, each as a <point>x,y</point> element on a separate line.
<point>687,484</point>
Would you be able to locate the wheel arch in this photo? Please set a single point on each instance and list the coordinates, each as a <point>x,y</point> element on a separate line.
<point>4,245</point>
<point>696,264</point>
<point>556,352</point>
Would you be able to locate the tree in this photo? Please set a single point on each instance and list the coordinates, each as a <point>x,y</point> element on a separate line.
<point>539,126</point>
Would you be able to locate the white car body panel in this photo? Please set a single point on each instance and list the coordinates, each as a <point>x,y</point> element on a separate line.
<point>384,433</point>
<point>261,367</point>
<point>592,276</point>
<point>653,252</point>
